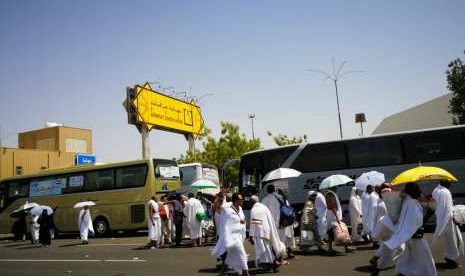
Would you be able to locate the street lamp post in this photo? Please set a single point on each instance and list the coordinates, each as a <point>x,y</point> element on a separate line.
<point>251,117</point>
<point>335,77</point>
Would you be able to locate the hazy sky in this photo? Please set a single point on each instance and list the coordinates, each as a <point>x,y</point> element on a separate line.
<point>70,62</point>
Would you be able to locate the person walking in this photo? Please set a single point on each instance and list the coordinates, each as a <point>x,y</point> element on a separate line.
<point>178,218</point>
<point>264,236</point>
<point>232,238</point>
<point>154,224</point>
<point>447,231</point>
<point>45,222</point>
<point>308,224</point>
<point>334,214</point>
<point>85,224</point>
<point>416,259</point>
<point>355,211</point>
<point>192,210</point>
<point>165,218</point>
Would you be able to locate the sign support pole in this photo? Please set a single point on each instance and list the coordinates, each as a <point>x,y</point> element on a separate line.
<point>145,143</point>
<point>190,139</point>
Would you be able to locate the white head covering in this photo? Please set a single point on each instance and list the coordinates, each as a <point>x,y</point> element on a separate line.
<point>310,193</point>
<point>255,198</point>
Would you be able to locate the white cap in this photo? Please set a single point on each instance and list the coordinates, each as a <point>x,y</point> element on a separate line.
<point>310,193</point>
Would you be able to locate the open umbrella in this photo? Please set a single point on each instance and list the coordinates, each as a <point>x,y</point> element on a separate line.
<point>203,184</point>
<point>23,210</point>
<point>423,173</point>
<point>211,191</point>
<point>37,211</point>
<point>83,203</point>
<point>372,178</point>
<point>334,180</point>
<point>280,173</point>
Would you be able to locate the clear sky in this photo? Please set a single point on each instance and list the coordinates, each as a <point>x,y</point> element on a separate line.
<point>70,61</point>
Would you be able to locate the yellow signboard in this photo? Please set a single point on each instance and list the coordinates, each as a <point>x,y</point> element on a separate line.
<point>159,111</point>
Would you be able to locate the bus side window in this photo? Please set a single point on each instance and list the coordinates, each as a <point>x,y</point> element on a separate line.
<point>129,177</point>
<point>100,180</point>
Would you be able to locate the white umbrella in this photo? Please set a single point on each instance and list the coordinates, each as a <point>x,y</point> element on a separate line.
<point>203,184</point>
<point>23,209</point>
<point>334,180</point>
<point>372,178</point>
<point>211,191</point>
<point>37,211</point>
<point>83,203</point>
<point>281,173</point>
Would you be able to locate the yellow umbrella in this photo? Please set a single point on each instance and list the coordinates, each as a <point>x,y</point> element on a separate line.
<point>423,173</point>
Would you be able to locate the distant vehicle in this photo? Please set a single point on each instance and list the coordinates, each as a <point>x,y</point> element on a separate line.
<point>120,191</point>
<point>194,171</point>
<point>389,154</point>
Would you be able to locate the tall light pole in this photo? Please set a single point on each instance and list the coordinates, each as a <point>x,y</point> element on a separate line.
<point>335,77</point>
<point>251,117</point>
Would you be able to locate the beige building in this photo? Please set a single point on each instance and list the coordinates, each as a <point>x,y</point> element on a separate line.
<point>431,114</point>
<point>42,149</point>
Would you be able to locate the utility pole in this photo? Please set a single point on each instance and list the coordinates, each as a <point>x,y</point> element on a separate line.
<point>335,76</point>
<point>251,117</point>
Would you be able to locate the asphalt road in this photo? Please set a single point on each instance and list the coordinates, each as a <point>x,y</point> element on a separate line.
<point>127,256</point>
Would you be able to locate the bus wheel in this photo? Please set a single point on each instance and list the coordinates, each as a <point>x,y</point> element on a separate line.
<point>102,227</point>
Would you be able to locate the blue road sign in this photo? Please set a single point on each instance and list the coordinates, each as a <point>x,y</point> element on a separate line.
<point>83,159</point>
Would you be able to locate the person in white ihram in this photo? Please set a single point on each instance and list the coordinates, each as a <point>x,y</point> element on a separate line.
<point>85,224</point>
<point>264,236</point>
<point>231,239</point>
<point>154,223</point>
<point>191,209</point>
<point>355,211</point>
<point>446,227</point>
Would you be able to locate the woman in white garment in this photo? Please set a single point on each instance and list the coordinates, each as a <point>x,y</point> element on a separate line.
<point>355,211</point>
<point>334,214</point>
<point>85,224</point>
<point>154,223</point>
<point>35,227</point>
<point>416,258</point>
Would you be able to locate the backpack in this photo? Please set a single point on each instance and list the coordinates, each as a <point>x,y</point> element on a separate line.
<point>162,212</point>
<point>287,214</point>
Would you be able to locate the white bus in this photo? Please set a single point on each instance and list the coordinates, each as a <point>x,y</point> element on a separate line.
<point>389,154</point>
<point>194,171</point>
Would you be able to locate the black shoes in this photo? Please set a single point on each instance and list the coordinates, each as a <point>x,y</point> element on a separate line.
<point>451,263</point>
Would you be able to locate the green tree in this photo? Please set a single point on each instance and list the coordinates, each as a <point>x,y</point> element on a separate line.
<point>230,145</point>
<point>282,139</point>
<point>456,85</point>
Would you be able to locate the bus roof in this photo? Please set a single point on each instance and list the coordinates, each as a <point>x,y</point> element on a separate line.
<point>197,164</point>
<point>360,138</point>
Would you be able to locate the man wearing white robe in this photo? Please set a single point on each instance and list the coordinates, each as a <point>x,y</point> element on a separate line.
<point>369,211</point>
<point>272,202</point>
<point>231,239</point>
<point>192,207</point>
<point>264,234</point>
<point>154,223</point>
<point>446,229</point>
<point>355,211</point>
<point>35,227</point>
<point>416,259</point>
<point>85,224</point>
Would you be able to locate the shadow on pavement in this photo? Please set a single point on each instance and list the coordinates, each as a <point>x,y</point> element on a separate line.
<point>30,247</point>
<point>364,269</point>
<point>71,244</point>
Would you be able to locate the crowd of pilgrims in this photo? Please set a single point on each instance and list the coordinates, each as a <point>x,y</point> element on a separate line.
<point>391,219</point>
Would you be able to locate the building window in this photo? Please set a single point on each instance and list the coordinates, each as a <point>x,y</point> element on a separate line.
<point>19,170</point>
<point>76,145</point>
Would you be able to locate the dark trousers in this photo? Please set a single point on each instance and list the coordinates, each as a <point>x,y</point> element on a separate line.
<point>178,237</point>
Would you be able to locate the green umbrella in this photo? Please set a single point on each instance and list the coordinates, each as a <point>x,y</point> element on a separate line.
<point>203,184</point>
